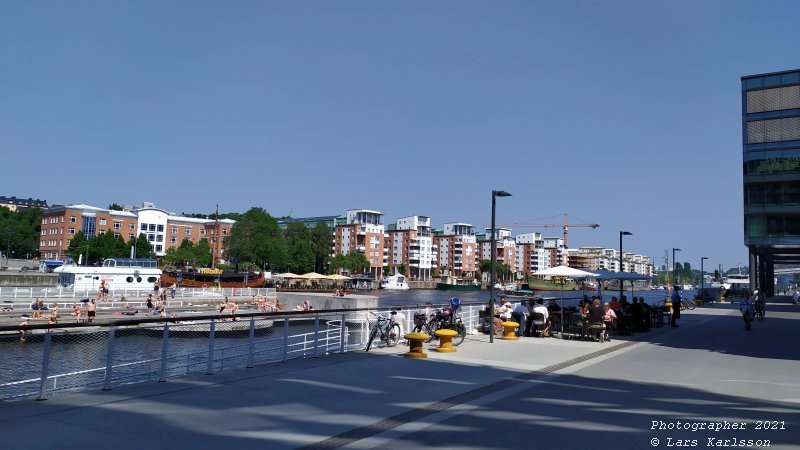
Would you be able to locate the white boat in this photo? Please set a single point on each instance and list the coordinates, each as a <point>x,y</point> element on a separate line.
<point>118,273</point>
<point>736,280</point>
<point>394,282</point>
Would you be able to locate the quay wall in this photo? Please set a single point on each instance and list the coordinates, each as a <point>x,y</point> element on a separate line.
<point>325,300</point>
<point>421,284</point>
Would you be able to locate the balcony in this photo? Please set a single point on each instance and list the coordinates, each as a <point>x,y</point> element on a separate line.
<point>361,248</point>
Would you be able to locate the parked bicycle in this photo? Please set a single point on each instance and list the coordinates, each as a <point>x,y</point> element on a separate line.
<point>446,318</point>
<point>388,329</point>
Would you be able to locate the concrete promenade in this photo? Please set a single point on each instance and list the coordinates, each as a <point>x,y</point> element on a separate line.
<point>532,393</point>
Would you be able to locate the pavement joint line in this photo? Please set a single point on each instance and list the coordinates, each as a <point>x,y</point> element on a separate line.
<point>367,431</point>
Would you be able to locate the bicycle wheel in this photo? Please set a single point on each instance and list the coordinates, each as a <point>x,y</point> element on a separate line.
<point>690,305</point>
<point>393,335</point>
<point>372,335</point>
<point>462,333</point>
<point>431,328</point>
<point>683,305</point>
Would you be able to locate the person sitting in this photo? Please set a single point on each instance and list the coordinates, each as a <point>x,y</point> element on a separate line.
<point>595,319</point>
<point>609,318</point>
<point>615,305</point>
<point>539,308</point>
<point>553,314</point>
<point>638,319</point>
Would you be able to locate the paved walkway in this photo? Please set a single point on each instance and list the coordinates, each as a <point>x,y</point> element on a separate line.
<point>532,393</point>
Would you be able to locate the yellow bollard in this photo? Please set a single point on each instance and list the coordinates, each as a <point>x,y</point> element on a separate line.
<point>415,341</point>
<point>510,331</point>
<point>445,340</point>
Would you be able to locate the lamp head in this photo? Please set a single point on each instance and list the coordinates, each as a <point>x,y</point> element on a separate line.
<point>676,249</point>
<point>625,233</point>
<point>703,258</point>
<point>501,194</point>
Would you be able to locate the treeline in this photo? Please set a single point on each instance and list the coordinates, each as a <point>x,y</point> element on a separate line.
<point>20,232</point>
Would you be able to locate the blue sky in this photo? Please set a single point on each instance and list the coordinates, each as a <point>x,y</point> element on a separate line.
<point>622,113</point>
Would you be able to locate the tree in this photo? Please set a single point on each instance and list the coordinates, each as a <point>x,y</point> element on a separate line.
<point>79,245</point>
<point>402,269</point>
<point>20,231</point>
<point>353,262</point>
<point>115,207</point>
<point>257,238</point>
<point>108,245</point>
<point>143,247</point>
<point>321,244</point>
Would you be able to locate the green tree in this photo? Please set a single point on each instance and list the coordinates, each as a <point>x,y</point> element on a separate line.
<point>107,245</point>
<point>386,271</point>
<point>402,269</point>
<point>143,247</point>
<point>115,207</point>
<point>20,232</point>
<point>321,244</point>
<point>257,238</point>
<point>352,262</point>
<point>79,245</point>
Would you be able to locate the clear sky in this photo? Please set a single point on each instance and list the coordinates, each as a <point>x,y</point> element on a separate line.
<point>623,113</point>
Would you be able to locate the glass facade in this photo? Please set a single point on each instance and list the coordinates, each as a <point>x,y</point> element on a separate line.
<point>89,225</point>
<point>771,159</point>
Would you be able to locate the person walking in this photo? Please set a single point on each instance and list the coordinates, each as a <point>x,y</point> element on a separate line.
<point>795,297</point>
<point>91,311</point>
<point>675,299</point>
<point>748,311</point>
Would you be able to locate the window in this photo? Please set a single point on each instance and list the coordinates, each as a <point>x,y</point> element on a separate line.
<point>132,226</point>
<point>151,279</point>
<point>144,227</point>
<point>187,231</point>
<point>151,237</point>
<point>160,228</point>
<point>102,221</point>
<point>224,231</point>
<point>116,234</point>
<point>70,230</point>
<point>172,240</point>
<point>160,238</point>
<point>72,219</point>
<point>174,230</point>
<point>159,248</point>
<point>202,232</point>
<point>117,225</point>
<point>131,236</point>
<point>152,227</point>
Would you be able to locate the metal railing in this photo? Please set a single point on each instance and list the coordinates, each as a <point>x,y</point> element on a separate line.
<point>118,294</point>
<point>51,359</point>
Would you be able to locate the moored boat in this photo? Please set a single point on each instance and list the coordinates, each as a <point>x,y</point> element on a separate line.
<point>211,278</point>
<point>117,273</point>
<point>459,284</point>
<point>397,282</point>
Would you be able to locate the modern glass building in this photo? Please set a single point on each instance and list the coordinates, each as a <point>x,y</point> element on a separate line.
<point>771,168</point>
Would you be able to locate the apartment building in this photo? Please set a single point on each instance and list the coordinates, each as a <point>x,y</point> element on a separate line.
<point>363,232</point>
<point>530,254</point>
<point>19,204</point>
<point>410,244</point>
<point>557,253</point>
<point>456,249</point>
<point>163,229</point>
<point>598,258</point>
<point>505,247</point>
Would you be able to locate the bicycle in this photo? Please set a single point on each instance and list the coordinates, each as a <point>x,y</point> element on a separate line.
<point>760,309</point>
<point>446,319</point>
<point>686,304</point>
<point>389,330</point>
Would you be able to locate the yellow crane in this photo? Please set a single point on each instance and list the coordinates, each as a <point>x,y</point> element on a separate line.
<point>566,226</point>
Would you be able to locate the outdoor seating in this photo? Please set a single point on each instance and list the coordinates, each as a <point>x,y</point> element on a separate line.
<point>537,324</point>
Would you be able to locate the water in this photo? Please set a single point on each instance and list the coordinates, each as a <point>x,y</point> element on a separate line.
<point>411,297</point>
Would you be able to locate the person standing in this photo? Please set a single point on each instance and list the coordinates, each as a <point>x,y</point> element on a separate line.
<point>91,311</point>
<point>795,297</point>
<point>675,299</point>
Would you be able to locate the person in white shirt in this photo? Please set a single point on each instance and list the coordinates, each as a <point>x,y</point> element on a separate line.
<point>748,310</point>
<point>540,308</point>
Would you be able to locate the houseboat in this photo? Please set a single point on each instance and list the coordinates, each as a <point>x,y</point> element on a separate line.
<point>118,273</point>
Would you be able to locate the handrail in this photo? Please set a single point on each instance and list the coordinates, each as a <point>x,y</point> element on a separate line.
<point>178,319</point>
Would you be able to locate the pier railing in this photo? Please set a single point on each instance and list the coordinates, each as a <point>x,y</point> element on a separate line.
<point>40,361</point>
<point>11,292</point>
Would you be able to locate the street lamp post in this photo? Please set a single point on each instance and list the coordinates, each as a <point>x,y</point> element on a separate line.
<point>702,279</point>
<point>493,258</point>
<point>621,233</point>
<point>674,280</point>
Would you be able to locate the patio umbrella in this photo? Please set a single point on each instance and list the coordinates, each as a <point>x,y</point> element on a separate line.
<point>286,275</point>
<point>564,271</point>
<point>312,276</point>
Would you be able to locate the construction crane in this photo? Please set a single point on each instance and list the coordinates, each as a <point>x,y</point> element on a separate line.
<point>566,226</point>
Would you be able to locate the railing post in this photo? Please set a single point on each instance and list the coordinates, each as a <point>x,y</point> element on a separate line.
<point>210,368</point>
<point>316,337</point>
<point>109,359</point>
<point>251,353</point>
<point>45,366</point>
<point>285,339</point>
<point>164,341</point>
<point>342,336</point>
